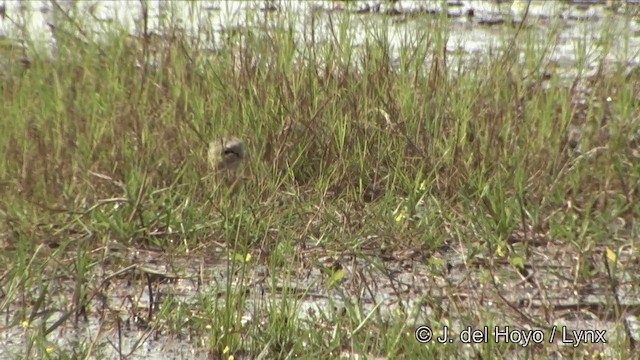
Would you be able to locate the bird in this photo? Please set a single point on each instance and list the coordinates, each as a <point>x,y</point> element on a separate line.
<point>225,155</point>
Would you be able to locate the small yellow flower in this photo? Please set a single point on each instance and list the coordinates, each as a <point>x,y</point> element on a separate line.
<point>226,349</point>
<point>500,251</point>
<point>25,324</point>
<point>611,255</point>
<point>423,185</point>
<point>242,258</point>
<point>402,214</point>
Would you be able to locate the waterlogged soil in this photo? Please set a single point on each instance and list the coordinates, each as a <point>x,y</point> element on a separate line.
<point>554,289</point>
<point>558,284</point>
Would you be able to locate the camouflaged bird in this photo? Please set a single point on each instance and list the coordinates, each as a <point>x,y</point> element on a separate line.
<point>225,156</point>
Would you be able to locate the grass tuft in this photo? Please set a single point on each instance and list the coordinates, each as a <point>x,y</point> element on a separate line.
<point>364,161</point>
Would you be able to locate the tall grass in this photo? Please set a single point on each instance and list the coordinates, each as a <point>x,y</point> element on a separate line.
<point>105,142</point>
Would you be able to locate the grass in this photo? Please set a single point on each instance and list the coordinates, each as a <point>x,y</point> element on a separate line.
<point>358,167</point>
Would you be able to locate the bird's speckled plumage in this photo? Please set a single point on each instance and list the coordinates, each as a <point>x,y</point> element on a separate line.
<point>225,153</point>
<point>225,156</point>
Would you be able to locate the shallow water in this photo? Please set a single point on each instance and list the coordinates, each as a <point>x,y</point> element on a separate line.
<point>407,287</point>
<point>476,26</point>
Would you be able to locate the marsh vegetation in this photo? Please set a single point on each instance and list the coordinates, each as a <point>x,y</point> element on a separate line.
<point>382,188</point>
